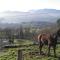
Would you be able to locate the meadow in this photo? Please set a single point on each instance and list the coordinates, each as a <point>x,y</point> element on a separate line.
<point>29,52</point>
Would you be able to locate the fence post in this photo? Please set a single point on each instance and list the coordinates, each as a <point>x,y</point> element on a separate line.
<point>20,55</point>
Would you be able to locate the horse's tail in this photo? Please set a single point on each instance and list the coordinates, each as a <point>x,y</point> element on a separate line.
<point>39,37</point>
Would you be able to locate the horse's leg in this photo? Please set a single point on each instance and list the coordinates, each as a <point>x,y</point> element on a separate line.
<point>49,50</point>
<point>40,47</point>
<point>54,48</point>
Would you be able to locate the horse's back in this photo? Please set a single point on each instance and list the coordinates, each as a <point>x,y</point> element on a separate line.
<point>43,36</point>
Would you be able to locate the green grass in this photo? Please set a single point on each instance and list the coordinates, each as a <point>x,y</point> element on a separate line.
<point>43,57</point>
<point>11,53</point>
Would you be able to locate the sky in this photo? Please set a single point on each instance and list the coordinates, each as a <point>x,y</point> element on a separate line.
<point>26,5</point>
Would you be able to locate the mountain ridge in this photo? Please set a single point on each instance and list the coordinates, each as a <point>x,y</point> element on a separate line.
<point>50,15</point>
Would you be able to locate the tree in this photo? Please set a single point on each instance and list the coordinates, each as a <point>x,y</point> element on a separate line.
<point>9,35</point>
<point>58,22</point>
<point>21,35</point>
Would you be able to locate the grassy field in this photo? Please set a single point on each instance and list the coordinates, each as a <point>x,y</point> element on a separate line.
<point>29,53</point>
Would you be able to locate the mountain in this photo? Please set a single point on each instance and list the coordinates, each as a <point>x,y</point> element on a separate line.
<point>46,11</point>
<point>50,15</point>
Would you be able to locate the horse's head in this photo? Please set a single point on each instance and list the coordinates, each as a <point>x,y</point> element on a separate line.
<point>58,32</point>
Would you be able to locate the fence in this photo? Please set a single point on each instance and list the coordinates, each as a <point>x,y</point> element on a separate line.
<point>20,52</point>
<point>20,55</point>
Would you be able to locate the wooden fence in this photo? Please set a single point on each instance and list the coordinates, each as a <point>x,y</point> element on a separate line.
<point>20,52</point>
<point>20,55</point>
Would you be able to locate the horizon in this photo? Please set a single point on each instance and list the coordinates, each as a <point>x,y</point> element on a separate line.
<point>30,10</point>
<point>26,5</point>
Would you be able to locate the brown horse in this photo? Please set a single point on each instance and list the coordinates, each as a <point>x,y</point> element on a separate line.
<point>48,39</point>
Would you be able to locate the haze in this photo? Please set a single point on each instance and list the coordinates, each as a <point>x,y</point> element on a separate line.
<point>26,5</point>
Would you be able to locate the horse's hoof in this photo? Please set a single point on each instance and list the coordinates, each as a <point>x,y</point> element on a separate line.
<point>55,56</point>
<point>48,55</point>
<point>40,54</point>
<point>43,53</point>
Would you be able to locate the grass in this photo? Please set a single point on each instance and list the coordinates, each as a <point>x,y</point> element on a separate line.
<point>43,57</point>
<point>29,53</point>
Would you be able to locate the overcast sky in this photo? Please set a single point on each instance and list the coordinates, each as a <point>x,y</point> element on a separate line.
<point>25,5</point>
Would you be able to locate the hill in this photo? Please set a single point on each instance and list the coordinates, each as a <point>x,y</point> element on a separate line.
<point>50,15</point>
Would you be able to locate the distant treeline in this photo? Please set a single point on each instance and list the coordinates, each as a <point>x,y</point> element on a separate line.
<point>26,32</point>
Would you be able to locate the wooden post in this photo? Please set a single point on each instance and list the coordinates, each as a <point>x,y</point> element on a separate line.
<point>20,55</point>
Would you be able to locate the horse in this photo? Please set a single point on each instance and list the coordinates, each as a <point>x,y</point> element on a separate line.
<point>50,40</point>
